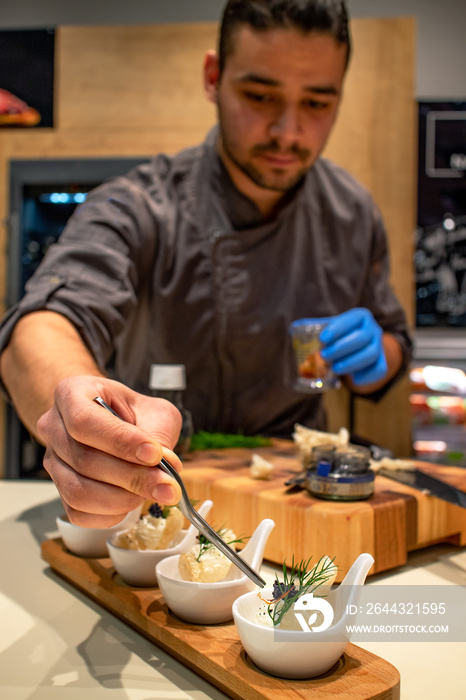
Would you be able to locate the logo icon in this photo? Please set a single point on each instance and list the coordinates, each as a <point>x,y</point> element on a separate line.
<point>308,604</point>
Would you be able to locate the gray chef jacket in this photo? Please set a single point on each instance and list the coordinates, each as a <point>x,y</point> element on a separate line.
<point>171,264</point>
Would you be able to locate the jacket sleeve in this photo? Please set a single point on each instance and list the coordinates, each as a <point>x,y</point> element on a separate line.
<point>93,274</point>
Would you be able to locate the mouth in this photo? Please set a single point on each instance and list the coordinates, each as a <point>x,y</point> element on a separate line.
<point>281,161</point>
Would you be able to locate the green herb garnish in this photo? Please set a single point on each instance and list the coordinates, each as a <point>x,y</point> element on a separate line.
<point>205,544</point>
<point>204,440</point>
<point>296,584</point>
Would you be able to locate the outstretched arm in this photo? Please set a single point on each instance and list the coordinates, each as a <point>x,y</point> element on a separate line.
<point>103,467</point>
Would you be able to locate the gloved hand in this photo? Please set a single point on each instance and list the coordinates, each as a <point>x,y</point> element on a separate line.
<point>353,345</point>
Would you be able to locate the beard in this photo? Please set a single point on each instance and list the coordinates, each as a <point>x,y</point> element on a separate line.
<point>276,179</point>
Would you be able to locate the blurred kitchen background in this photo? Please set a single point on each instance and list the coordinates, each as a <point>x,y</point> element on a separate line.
<point>43,192</point>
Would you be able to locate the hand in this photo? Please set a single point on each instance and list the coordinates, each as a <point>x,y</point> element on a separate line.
<point>354,346</point>
<point>102,466</point>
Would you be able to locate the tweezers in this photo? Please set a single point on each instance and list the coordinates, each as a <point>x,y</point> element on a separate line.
<point>198,521</point>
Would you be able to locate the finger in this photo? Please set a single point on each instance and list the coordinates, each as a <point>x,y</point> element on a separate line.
<point>85,495</point>
<point>89,423</point>
<point>151,430</point>
<point>100,429</point>
<point>159,418</point>
<point>74,465</point>
<point>146,482</point>
<point>341,325</point>
<point>359,360</point>
<point>98,482</point>
<point>76,517</point>
<point>347,345</point>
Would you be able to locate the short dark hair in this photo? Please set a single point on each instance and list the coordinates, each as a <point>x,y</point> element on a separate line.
<point>323,16</point>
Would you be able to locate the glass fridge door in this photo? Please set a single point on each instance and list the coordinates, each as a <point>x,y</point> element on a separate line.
<point>438,398</point>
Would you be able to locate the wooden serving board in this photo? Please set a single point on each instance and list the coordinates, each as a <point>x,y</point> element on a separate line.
<point>215,652</point>
<point>394,521</point>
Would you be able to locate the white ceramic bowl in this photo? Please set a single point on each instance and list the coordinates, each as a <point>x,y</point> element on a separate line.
<point>137,567</point>
<point>92,541</point>
<point>301,654</point>
<point>211,603</point>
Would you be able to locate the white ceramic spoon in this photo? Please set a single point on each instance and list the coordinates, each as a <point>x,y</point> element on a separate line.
<point>211,603</point>
<point>137,567</point>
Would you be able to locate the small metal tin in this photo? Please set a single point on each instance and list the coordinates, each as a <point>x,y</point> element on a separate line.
<point>341,487</point>
<point>340,474</point>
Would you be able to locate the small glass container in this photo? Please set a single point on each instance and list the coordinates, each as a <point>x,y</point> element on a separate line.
<point>169,382</point>
<point>322,458</point>
<point>314,374</point>
<point>352,460</point>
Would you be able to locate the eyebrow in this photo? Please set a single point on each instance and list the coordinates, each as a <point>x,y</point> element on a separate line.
<point>269,82</point>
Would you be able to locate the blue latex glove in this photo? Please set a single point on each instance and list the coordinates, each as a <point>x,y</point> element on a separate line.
<point>353,345</point>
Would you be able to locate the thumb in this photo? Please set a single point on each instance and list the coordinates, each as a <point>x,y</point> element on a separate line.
<point>159,418</point>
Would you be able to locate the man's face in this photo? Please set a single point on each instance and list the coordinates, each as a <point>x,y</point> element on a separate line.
<point>277,100</point>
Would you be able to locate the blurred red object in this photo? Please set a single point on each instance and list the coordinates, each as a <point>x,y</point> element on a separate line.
<point>15,112</point>
<point>420,410</point>
<point>453,409</point>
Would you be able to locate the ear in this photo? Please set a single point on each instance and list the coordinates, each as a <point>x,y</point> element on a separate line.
<point>211,75</point>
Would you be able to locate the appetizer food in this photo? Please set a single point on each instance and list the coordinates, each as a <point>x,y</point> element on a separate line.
<point>313,366</point>
<point>302,653</point>
<point>394,464</point>
<point>260,468</point>
<point>158,528</point>
<point>280,610</point>
<point>306,439</point>
<point>204,562</point>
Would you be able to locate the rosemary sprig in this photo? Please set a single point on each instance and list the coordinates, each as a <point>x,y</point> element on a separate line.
<point>296,584</point>
<point>206,544</point>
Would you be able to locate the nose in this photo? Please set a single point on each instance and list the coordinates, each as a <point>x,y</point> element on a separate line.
<point>286,126</point>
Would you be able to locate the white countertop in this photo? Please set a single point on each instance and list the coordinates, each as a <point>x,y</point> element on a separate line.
<point>57,643</point>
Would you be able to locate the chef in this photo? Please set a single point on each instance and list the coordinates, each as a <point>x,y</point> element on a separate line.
<point>205,258</point>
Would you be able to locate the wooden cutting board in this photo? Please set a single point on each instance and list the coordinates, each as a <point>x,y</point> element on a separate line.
<point>394,521</point>
<point>215,652</point>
